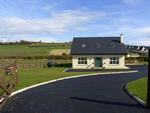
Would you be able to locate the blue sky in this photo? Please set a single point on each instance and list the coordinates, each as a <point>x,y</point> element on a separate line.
<point>61,20</point>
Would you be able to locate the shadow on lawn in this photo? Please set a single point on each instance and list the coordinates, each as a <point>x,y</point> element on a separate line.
<point>64,65</point>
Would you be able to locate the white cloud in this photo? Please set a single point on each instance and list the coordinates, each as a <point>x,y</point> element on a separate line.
<point>57,24</point>
<point>140,43</point>
<point>125,29</point>
<point>56,4</point>
<point>28,38</point>
<point>131,1</point>
<point>47,7</point>
<point>128,1</point>
<point>83,28</point>
<point>112,6</point>
<point>144,31</point>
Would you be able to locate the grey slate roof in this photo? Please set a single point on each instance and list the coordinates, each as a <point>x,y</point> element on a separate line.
<point>91,48</point>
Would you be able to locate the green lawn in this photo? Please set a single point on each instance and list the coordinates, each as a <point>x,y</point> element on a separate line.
<point>139,88</point>
<point>22,50</point>
<point>50,44</point>
<point>32,76</point>
<point>146,63</point>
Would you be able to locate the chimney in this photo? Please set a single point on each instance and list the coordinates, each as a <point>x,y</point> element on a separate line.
<point>121,38</point>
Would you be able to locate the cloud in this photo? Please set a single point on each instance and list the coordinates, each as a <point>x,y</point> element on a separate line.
<point>47,7</point>
<point>56,4</point>
<point>28,38</point>
<point>144,31</point>
<point>131,1</point>
<point>57,24</point>
<point>112,6</point>
<point>145,42</point>
<point>83,28</point>
<point>119,30</point>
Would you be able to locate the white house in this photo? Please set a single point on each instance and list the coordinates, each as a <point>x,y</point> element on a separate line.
<point>98,52</point>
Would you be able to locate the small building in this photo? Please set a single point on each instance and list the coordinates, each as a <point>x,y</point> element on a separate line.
<point>134,55</point>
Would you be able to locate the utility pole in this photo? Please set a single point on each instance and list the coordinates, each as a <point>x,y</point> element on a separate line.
<point>148,82</point>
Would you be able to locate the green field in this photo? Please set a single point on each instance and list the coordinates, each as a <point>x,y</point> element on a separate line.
<point>22,50</point>
<point>32,76</point>
<point>50,44</point>
<point>138,88</point>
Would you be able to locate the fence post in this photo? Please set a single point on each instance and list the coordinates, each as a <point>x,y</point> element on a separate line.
<point>2,64</point>
<point>16,72</point>
<point>35,64</point>
<point>23,66</point>
<point>40,64</point>
<point>148,82</point>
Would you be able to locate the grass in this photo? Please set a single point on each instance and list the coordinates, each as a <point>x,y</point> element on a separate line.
<point>139,88</point>
<point>128,52</point>
<point>22,50</point>
<point>32,76</point>
<point>50,44</point>
<point>145,63</point>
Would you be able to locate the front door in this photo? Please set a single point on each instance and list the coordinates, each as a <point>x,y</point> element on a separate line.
<point>98,62</point>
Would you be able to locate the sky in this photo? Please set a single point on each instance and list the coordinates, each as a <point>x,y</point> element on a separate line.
<point>60,20</point>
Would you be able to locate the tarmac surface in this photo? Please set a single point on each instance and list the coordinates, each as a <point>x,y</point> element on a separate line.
<point>88,70</point>
<point>88,94</point>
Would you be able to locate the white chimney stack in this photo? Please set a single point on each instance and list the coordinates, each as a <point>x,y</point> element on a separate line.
<point>121,38</point>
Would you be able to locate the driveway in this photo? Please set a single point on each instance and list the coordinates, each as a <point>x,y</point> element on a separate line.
<point>88,70</point>
<point>88,94</point>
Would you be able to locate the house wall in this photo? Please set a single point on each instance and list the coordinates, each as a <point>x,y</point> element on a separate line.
<point>90,61</point>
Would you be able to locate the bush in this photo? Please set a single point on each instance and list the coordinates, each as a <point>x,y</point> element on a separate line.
<point>38,57</point>
<point>64,54</point>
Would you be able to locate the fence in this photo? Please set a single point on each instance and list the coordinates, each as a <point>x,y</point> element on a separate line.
<point>7,88</point>
<point>27,65</point>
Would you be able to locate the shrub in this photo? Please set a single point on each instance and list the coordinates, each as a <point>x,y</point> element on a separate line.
<point>36,57</point>
<point>1,57</point>
<point>64,54</point>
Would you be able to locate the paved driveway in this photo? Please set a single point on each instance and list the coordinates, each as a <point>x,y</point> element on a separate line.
<point>89,94</point>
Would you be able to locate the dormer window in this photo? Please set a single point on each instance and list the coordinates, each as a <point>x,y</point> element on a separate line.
<point>112,45</point>
<point>97,45</point>
<point>83,45</point>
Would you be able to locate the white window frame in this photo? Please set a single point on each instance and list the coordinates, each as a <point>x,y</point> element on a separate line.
<point>112,59</point>
<point>82,62</point>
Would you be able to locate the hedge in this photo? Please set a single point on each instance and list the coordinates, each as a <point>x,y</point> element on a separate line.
<point>63,57</point>
<point>37,57</point>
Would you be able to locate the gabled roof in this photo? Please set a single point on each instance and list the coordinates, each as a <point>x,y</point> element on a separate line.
<point>91,48</point>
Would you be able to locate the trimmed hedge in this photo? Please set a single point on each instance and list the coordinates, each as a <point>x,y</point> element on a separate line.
<point>37,57</point>
<point>63,57</point>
